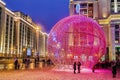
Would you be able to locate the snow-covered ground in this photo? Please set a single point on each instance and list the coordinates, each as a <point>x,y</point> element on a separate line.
<point>54,74</point>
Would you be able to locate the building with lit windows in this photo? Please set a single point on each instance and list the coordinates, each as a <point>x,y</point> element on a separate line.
<point>42,44</point>
<point>107,14</point>
<point>19,35</point>
<point>26,38</point>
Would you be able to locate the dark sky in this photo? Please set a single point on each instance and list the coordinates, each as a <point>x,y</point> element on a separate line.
<point>44,12</point>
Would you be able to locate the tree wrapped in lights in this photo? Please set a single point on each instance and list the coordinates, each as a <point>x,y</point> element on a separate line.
<point>76,38</point>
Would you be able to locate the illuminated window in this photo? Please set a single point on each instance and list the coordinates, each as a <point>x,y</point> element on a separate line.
<point>117,50</point>
<point>116,35</point>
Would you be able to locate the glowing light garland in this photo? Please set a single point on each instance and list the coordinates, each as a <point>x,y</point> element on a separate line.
<point>76,38</point>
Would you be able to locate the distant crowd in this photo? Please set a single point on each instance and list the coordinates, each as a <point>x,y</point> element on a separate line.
<point>107,64</point>
<point>25,61</point>
<point>113,65</point>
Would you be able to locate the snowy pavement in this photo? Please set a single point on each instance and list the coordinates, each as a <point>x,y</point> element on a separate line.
<point>52,74</point>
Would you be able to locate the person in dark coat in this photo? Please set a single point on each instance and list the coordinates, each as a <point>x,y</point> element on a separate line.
<point>27,63</point>
<point>35,62</point>
<point>16,63</point>
<point>74,67</point>
<point>79,64</point>
<point>114,70</point>
<point>93,69</point>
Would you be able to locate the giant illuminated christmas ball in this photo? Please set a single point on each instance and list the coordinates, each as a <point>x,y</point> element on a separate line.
<point>76,38</point>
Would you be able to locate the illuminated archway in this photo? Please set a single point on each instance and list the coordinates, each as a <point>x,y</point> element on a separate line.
<point>76,38</point>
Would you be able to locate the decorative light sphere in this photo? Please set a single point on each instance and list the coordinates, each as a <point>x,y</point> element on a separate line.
<point>76,38</point>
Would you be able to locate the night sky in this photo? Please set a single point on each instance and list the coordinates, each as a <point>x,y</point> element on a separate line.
<point>44,12</point>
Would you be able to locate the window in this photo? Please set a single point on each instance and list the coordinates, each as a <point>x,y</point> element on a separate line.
<point>112,6</point>
<point>118,0</point>
<point>117,50</point>
<point>112,0</point>
<point>117,36</point>
<point>90,5</point>
<point>83,5</point>
<point>0,14</point>
<point>116,26</point>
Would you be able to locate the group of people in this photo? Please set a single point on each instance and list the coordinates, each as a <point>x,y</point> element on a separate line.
<point>26,62</point>
<point>76,65</point>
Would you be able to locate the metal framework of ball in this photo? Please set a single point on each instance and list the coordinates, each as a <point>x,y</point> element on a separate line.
<point>76,38</point>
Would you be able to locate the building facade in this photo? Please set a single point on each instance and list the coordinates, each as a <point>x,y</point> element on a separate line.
<point>107,14</point>
<point>19,35</point>
<point>42,44</point>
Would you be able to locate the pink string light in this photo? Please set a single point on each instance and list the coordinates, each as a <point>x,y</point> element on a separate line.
<point>76,38</point>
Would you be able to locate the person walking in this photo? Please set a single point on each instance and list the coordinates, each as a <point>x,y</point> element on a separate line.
<point>79,64</point>
<point>35,62</point>
<point>114,70</point>
<point>16,63</point>
<point>27,63</point>
<point>74,67</point>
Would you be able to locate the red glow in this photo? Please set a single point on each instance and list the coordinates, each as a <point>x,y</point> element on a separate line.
<point>76,38</point>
